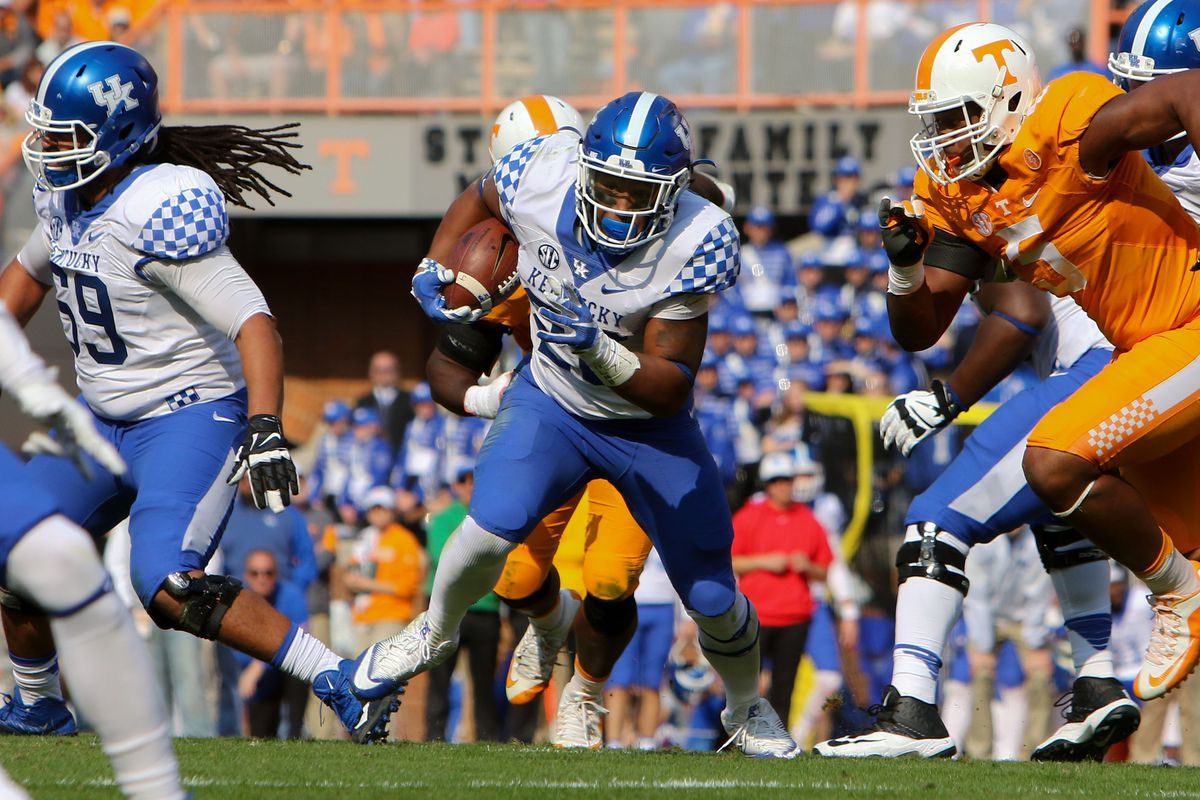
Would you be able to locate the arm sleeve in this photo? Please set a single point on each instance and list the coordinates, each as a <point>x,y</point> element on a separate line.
<point>18,362</point>
<point>956,254</point>
<point>35,256</point>
<point>215,286</point>
<point>474,346</point>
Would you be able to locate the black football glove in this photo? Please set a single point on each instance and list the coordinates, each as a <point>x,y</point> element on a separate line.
<point>906,233</point>
<point>264,454</point>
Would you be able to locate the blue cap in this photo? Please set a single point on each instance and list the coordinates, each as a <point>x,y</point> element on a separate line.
<point>877,261</point>
<point>796,330</point>
<point>826,309</point>
<point>868,219</point>
<point>855,257</point>
<point>742,325</point>
<point>421,394</point>
<point>718,319</point>
<point>365,415</point>
<point>810,260</point>
<point>709,360</point>
<point>761,215</point>
<point>846,165</point>
<point>335,411</point>
<point>875,327</point>
<point>906,176</point>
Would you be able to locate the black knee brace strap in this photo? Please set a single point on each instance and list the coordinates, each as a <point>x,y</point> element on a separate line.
<point>929,557</point>
<point>610,616</point>
<point>550,586</point>
<point>205,601</point>
<point>1061,547</point>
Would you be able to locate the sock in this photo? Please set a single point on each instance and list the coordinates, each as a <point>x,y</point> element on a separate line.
<point>1170,573</point>
<point>730,644</point>
<point>550,620</point>
<point>469,567</point>
<point>38,678</point>
<point>303,656</point>
<point>584,684</point>
<point>1087,610</point>
<point>131,721</point>
<point>926,610</point>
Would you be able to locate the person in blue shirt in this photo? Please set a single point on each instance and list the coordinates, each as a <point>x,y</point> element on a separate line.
<point>419,464</point>
<point>369,463</point>
<point>766,264</point>
<point>836,212</point>
<point>331,468</point>
<point>284,535</point>
<point>828,319</point>
<point>1078,62</point>
<point>715,417</point>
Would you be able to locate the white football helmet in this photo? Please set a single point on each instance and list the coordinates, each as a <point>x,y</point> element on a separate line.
<point>533,115</point>
<point>809,482</point>
<point>978,68</point>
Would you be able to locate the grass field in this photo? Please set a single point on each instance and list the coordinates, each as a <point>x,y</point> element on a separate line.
<point>75,768</point>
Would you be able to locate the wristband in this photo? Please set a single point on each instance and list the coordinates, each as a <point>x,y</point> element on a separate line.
<point>905,280</point>
<point>613,363</point>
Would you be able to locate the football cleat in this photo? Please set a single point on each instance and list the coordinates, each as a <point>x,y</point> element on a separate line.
<point>535,655</point>
<point>580,722</point>
<point>1098,715</point>
<point>45,717</point>
<point>384,666</point>
<point>758,732</point>
<point>366,720</point>
<point>904,726</point>
<point>1174,645</point>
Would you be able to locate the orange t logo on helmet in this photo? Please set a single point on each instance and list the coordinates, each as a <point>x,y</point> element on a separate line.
<point>996,51</point>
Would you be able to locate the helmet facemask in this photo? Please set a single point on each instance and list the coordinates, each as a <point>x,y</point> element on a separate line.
<point>980,130</point>
<point>61,154</point>
<point>621,205</point>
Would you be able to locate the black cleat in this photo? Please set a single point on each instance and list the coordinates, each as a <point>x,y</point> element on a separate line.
<point>1098,714</point>
<point>904,726</point>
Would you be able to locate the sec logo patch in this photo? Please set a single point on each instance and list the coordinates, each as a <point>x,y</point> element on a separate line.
<point>982,223</point>
<point>1032,160</point>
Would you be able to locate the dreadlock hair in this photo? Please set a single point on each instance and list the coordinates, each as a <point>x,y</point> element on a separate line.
<point>230,155</point>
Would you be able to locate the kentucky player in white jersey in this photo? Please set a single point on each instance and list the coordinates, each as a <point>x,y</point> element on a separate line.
<point>982,494</point>
<point>46,559</point>
<point>176,355</point>
<point>619,261</point>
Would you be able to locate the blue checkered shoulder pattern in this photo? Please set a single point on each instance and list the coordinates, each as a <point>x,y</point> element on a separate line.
<point>714,267</point>
<point>509,169</point>
<point>190,224</point>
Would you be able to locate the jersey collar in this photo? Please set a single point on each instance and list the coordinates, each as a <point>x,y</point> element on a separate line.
<point>78,219</point>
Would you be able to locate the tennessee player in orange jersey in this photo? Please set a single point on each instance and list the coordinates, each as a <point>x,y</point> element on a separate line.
<point>1048,183</point>
<point>615,548</point>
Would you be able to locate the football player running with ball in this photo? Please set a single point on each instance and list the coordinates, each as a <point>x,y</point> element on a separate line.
<point>177,357</point>
<point>619,319</point>
<point>1050,181</point>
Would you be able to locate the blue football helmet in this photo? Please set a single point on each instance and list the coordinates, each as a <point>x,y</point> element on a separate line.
<point>634,160</point>
<point>95,107</point>
<point>1158,38</point>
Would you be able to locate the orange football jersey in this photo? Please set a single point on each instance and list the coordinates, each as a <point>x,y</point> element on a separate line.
<point>1122,246</point>
<point>513,313</point>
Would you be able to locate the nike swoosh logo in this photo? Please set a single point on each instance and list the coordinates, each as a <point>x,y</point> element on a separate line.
<point>840,742</point>
<point>612,289</point>
<point>94,236</point>
<point>217,417</point>
<point>1028,201</point>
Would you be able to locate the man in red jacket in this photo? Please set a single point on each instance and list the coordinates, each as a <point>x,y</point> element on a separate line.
<point>779,548</point>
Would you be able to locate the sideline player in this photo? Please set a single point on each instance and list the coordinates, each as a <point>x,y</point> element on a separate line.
<point>174,348</point>
<point>1050,181</point>
<point>47,560</point>
<point>636,258</point>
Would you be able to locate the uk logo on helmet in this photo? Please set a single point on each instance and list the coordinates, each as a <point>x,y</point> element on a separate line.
<point>115,93</point>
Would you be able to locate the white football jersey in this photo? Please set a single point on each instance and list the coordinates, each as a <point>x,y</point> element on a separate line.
<point>670,277</point>
<point>1066,339</point>
<point>139,351</point>
<point>1183,179</point>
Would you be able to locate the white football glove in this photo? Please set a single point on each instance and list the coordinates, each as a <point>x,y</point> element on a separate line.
<point>484,401</point>
<point>46,402</point>
<point>912,418</point>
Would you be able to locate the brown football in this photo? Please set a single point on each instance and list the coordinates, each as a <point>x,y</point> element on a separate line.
<point>485,267</point>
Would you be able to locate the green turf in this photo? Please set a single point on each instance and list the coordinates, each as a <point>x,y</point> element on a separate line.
<point>75,768</point>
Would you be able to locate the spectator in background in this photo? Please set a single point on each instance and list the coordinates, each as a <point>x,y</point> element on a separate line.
<point>387,568</point>
<point>59,37</point>
<point>18,93</point>
<point>387,398</point>
<point>835,213</point>
<point>331,467</point>
<point>637,677</point>
<point>902,188</point>
<point>369,464</point>
<point>779,548</point>
<point>284,535</point>
<point>17,42</point>
<point>119,20</point>
<point>267,691</point>
<point>1079,62</point>
<point>479,634</point>
<point>418,466</point>
<point>714,415</point>
<point>766,264</point>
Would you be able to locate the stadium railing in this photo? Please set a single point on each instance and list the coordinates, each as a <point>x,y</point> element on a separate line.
<point>430,56</point>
